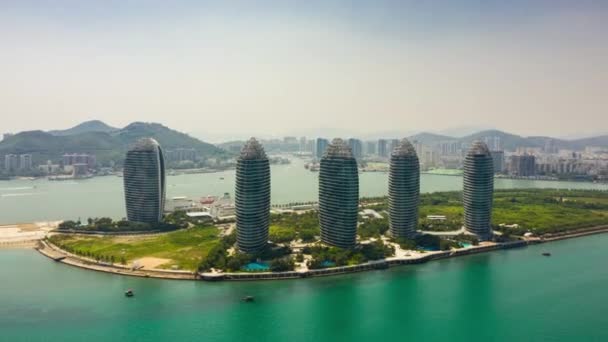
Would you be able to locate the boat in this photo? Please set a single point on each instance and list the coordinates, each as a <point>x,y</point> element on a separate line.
<point>546,254</point>
<point>248,299</point>
<point>129,293</point>
<point>222,178</point>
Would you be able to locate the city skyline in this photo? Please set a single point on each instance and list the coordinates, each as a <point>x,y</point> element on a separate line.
<point>516,66</point>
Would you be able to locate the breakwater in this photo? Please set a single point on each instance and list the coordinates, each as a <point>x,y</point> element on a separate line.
<point>48,249</point>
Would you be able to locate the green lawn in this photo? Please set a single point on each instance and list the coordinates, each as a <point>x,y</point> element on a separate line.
<point>184,247</point>
<point>537,210</point>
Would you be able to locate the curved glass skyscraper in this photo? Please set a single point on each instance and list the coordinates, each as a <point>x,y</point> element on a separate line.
<point>403,190</point>
<point>478,190</point>
<point>144,182</point>
<point>338,195</point>
<point>252,198</point>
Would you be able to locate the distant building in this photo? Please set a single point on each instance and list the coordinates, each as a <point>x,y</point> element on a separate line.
<point>371,148</point>
<point>49,168</point>
<point>144,182</point>
<point>223,208</point>
<point>494,143</point>
<point>392,144</point>
<point>383,150</point>
<point>181,154</point>
<point>320,147</point>
<point>80,158</point>
<point>403,190</point>
<point>11,162</point>
<point>499,161</point>
<point>290,140</point>
<point>303,145</point>
<point>338,195</point>
<point>550,146</point>
<point>523,166</point>
<point>478,189</point>
<point>25,162</point>
<point>449,148</point>
<point>252,198</point>
<point>356,146</point>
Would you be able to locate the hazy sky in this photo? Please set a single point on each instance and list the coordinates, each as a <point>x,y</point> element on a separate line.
<point>237,68</point>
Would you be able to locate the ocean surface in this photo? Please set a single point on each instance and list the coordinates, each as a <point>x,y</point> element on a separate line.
<point>514,295</point>
<point>43,200</point>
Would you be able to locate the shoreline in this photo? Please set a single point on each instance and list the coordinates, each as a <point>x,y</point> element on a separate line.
<point>58,255</point>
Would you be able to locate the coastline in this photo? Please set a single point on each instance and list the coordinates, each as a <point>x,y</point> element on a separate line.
<point>55,253</point>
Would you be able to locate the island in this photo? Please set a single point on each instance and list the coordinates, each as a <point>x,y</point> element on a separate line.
<point>193,248</point>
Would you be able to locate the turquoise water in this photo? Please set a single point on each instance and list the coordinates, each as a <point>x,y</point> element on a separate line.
<point>328,264</point>
<point>42,200</point>
<point>256,266</point>
<point>515,295</point>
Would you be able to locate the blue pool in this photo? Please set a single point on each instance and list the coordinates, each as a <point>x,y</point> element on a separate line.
<point>256,266</point>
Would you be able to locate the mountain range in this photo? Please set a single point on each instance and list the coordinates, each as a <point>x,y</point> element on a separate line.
<point>510,141</point>
<point>109,144</point>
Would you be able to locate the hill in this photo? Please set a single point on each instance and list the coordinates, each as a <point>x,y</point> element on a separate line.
<point>430,138</point>
<point>510,141</point>
<point>109,147</point>
<point>85,127</point>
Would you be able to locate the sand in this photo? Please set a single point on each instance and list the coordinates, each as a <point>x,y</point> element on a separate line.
<point>151,262</point>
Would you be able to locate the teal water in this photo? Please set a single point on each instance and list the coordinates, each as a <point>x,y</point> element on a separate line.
<point>515,295</point>
<point>256,266</point>
<point>42,200</point>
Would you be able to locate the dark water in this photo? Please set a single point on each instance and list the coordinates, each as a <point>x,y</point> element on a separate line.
<point>515,295</point>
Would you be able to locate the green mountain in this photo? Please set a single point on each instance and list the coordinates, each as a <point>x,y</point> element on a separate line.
<point>86,127</point>
<point>510,141</point>
<point>429,138</point>
<point>107,146</point>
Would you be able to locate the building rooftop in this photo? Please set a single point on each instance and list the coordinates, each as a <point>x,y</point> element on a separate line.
<point>145,144</point>
<point>253,150</point>
<point>478,147</point>
<point>338,149</point>
<point>404,149</point>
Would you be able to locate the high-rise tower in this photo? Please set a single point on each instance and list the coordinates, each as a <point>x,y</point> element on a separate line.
<point>403,190</point>
<point>252,198</point>
<point>144,182</point>
<point>478,190</point>
<point>338,195</point>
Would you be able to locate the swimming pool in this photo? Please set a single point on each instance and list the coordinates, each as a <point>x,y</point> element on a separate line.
<point>256,266</point>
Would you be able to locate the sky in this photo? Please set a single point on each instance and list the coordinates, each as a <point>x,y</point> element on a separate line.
<point>232,69</point>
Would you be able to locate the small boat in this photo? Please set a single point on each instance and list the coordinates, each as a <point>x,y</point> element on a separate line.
<point>546,254</point>
<point>248,299</point>
<point>129,293</point>
<point>222,178</point>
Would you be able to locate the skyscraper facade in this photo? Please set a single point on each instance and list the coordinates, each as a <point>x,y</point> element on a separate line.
<point>338,195</point>
<point>403,190</point>
<point>478,190</point>
<point>144,182</point>
<point>252,198</point>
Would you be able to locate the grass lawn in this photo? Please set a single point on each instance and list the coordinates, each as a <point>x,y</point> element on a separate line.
<point>538,210</point>
<point>184,247</point>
